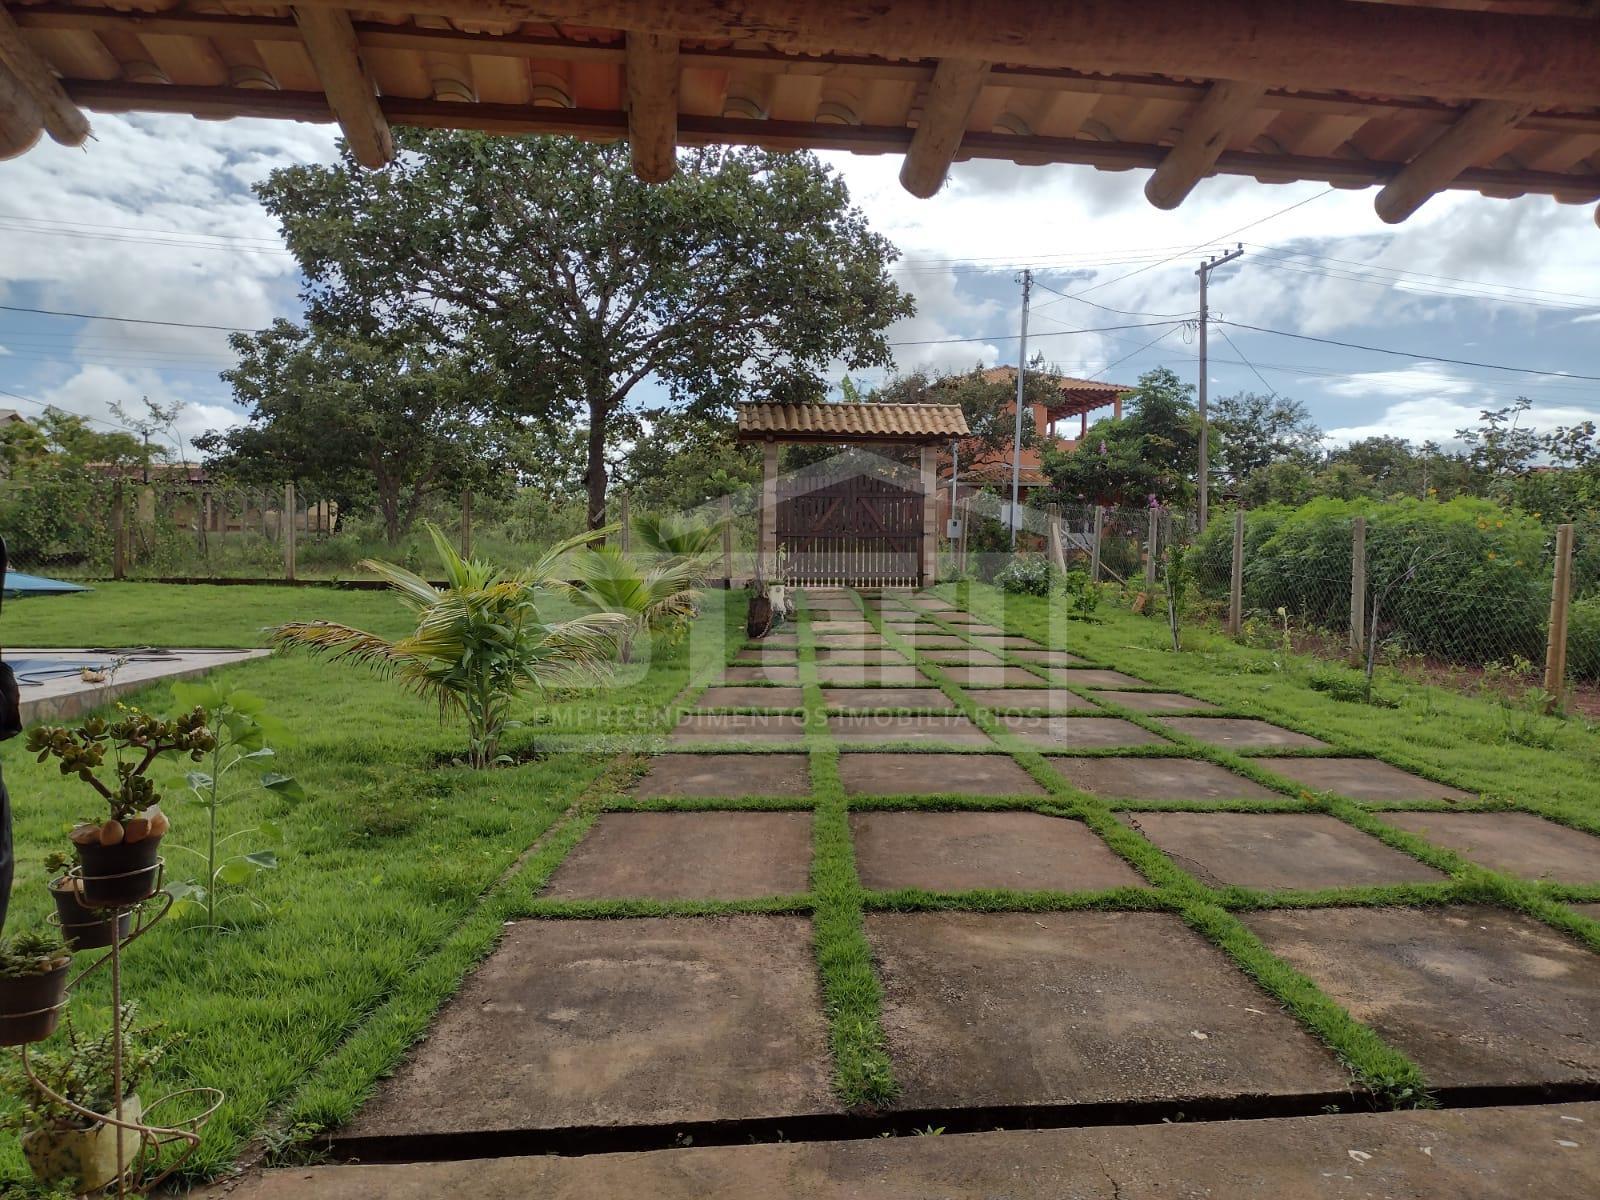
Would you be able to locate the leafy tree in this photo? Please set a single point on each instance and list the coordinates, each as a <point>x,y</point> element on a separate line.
<point>685,458</point>
<point>1148,456</point>
<point>1500,445</point>
<point>746,272</point>
<point>987,404</point>
<point>390,415</point>
<point>1255,431</point>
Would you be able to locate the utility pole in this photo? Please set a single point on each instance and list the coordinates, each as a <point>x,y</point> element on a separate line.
<point>1206,267</point>
<point>1016,443</point>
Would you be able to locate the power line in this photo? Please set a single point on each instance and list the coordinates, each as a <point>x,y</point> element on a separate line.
<point>69,412</point>
<point>47,312</point>
<point>1011,337</point>
<point>1121,312</point>
<point>1458,362</point>
<point>1248,363</point>
<point>1136,353</point>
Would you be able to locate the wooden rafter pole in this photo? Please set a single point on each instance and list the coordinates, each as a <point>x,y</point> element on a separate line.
<point>1384,49</point>
<point>951,94</point>
<point>651,64</point>
<point>331,43</point>
<point>63,119</point>
<point>1204,138</point>
<point>21,122</point>
<point>1457,148</point>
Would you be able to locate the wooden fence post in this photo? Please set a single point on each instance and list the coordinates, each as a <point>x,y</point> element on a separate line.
<point>1056,547</point>
<point>1236,579</point>
<point>466,523</point>
<point>1152,540</point>
<point>1358,586</point>
<point>1099,528</point>
<point>119,535</point>
<point>287,523</point>
<point>727,543</point>
<point>1555,656</point>
<point>626,522</point>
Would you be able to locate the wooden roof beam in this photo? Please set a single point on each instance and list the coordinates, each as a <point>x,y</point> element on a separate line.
<point>331,42</point>
<point>1457,148</point>
<point>945,111</point>
<point>1204,138</point>
<point>652,69</point>
<point>1383,49</point>
<point>63,119</point>
<point>21,122</point>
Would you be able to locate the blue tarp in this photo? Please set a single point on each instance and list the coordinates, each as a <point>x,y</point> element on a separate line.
<point>19,583</point>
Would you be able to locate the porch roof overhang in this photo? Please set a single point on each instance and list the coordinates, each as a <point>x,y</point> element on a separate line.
<point>1496,96</point>
<point>898,424</point>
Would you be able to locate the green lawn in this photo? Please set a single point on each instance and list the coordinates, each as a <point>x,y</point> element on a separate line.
<point>396,872</point>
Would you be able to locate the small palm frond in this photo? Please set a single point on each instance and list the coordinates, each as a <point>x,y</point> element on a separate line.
<point>413,588</point>
<point>344,643</point>
<point>576,650</point>
<point>550,569</point>
<point>674,536</point>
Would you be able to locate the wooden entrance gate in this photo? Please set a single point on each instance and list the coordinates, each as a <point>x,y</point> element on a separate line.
<point>857,531</point>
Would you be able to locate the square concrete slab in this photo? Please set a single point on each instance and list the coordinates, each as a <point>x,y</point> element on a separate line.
<point>1049,700</point>
<point>1079,1007</point>
<point>938,641</point>
<point>960,851</point>
<point>957,617</point>
<point>995,677</point>
<point>1239,733</point>
<point>739,728</point>
<point>1475,996</point>
<point>870,774</point>
<point>633,1022</point>
<point>785,638</point>
<point>751,697</point>
<point>956,731</point>
<point>767,672</point>
<point>1000,641</point>
<point>1088,677</point>
<point>878,654</point>
<point>1046,658</point>
<point>1078,732</point>
<point>1361,779</point>
<point>688,856</point>
<point>1277,850</point>
<point>1513,842</point>
<point>850,641</point>
<point>1157,779</point>
<point>889,697</point>
<point>899,674</point>
<point>824,628</point>
<point>962,656</point>
<point>1153,702</point>
<point>780,655</point>
<point>725,775</point>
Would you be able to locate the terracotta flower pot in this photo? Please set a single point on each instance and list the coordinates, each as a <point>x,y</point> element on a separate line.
<point>125,873</point>
<point>87,1158</point>
<point>85,928</point>
<point>30,1005</point>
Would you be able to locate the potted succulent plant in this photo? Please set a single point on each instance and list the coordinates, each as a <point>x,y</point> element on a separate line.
<point>64,1146</point>
<point>119,856</point>
<point>33,984</point>
<point>83,927</point>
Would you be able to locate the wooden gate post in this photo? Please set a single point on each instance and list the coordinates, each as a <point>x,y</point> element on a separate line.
<point>119,536</point>
<point>1099,528</point>
<point>1358,586</point>
<point>928,568</point>
<point>1236,579</point>
<point>727,543</point>
<point>288,530</point>
<point>768,550</point>
<point>466,523</point>
<point>1555,656</point>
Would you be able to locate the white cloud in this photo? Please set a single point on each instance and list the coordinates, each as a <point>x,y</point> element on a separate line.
<point>1436,420</point>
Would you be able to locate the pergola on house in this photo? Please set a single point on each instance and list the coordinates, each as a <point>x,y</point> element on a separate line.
<point>859,527</point>
<point>1497,96</point>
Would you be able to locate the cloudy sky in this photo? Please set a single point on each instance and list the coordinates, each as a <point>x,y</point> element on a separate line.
<point>155,220</point>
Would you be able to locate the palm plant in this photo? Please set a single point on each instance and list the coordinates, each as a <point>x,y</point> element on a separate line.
<point>672,538</point>
<point>480,640</point>
<point>648,598</point>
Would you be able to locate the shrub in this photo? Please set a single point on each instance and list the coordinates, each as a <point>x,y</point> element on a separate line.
<point>1082,593</point>
<point>1026,576</point>
<point>1583,639</point>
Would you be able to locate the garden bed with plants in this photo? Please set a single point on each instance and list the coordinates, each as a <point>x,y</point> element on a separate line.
<point>336,862</point>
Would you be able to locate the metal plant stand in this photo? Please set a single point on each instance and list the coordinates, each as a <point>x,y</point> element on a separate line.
<point>150,1139</point>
